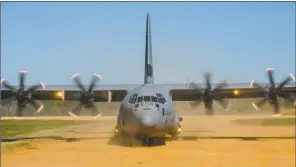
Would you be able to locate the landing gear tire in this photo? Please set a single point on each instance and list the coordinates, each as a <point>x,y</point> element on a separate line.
<point>120,132</point>
<point>174,135</point>
<point>153,141</point>
<point>147,142</point>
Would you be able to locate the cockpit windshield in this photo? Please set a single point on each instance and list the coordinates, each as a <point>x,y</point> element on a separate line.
<point>147,98</point>
<point>154,99</point>
<point>140,99</point>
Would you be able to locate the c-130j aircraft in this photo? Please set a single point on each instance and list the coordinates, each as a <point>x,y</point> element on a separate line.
<point>147,111</point>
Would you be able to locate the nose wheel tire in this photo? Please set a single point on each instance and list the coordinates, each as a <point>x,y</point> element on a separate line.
<point>147,142</point>
<point>153,141</point>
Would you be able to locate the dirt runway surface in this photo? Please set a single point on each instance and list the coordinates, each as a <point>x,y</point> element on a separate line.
<point>201,144</point>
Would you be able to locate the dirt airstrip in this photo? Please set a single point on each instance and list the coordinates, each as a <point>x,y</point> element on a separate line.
<point>230,145</point>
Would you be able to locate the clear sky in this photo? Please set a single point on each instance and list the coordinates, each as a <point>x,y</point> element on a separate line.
<point>234,40</point>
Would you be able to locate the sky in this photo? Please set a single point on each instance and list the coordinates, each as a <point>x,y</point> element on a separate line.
<point>235,41</point>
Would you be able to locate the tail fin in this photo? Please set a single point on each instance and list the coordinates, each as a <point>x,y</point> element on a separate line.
<point>148,78</point>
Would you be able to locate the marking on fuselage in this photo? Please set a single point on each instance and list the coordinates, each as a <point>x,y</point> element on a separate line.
<point>146,104</point>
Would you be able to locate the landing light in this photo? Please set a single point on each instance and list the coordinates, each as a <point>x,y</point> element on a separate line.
<point>179,130</point>
<point>59,94</point>
<point>116,130</point>
<point>235,92</point>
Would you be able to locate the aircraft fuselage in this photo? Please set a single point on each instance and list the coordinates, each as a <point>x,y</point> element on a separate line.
<point>148,111</point>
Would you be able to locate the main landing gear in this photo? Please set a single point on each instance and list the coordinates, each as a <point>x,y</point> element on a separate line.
<point>175,135</point>
<point>118,132</point>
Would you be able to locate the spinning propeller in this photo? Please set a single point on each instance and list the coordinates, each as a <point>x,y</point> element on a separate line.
<point>207,95</point>
<point>86,97</point>
<point>23,96</point>
<point>272,92</point>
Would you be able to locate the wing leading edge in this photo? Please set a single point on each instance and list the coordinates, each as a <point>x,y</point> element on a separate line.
<point>189,94</point>
<point>116,93</point>
<point>73,95</point>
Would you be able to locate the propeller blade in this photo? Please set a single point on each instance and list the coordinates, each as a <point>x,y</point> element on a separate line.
<point>21,96</point>
<point>209,108</point>
<point>284,82</point>
<point>258,104</point>
<point>33,88</point>
<point>20,108</point>
<point>194,104</point>
<point>208,78</point>
<point>270,76</point>
<point>98,76</point>
<point>224,103</point>
<point>10,95</point>
<point>256,85</point>
<point>8,100</point>
<point>194,85</point>
<point>36,105</point>
<point>292,77</point>
<point>220,100</point>
<point>77,81</point>
<point>289,97</point>
<point>272,93</point>
<point>92,84</point>
<point>95,78</point>
<point>8,86</point>
<point>208,95</point>
<point>94,110</point>
<point>221,85</point>
<point>197,88</point>
<point>97,116</point>
<point>276,106</point>
<point>76,111</point>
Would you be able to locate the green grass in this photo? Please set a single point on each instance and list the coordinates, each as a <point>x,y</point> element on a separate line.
<point>267,121</point>
<point>26,145</point>
<point>11,128</point>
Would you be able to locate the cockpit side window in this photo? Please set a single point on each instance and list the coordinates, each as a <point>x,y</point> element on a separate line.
<point>133,98</point>
<point>163,99</point>
<point>154,99</point>
<point>140,99</point>
<point>160,97</point>
<point>147,98</point>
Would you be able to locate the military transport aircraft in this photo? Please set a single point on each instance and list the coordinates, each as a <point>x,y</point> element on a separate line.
<point>147,111</point>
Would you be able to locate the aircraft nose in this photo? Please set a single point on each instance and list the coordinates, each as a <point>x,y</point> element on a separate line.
<point>149,121</point>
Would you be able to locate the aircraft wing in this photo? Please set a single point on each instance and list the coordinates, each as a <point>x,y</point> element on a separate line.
<point>116,92</point>
<point>102,93</point>
<point>182,92</point>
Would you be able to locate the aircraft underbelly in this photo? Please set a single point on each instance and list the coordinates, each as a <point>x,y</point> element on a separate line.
<point>133,127</point>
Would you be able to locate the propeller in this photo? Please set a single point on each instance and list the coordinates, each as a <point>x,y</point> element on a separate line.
<point>22,95</point>
<point>271,92</point>
<point>207,95</point>
<point>86,97</point>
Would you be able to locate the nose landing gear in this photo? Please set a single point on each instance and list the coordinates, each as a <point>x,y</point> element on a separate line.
<point>153,141</point>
